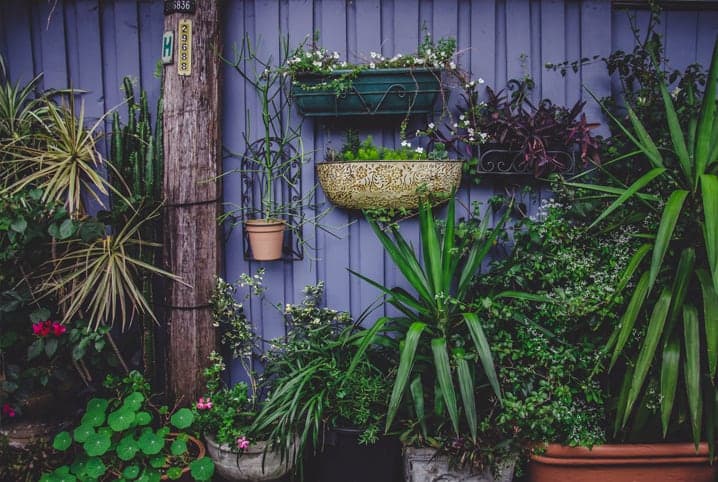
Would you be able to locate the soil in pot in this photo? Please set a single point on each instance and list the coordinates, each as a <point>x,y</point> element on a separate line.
<point>344,459</point>
<point>624,463</point>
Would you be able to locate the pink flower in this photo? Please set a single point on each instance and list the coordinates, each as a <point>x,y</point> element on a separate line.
<point>42,328</point>
<point>58,329</point>
<point>204,404</point>
<point>8,411</point>
<point>242,443</point>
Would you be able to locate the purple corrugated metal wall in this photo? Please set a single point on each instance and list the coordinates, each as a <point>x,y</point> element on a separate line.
<point>91,45</point>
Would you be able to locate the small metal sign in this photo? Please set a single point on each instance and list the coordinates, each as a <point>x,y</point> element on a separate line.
<point>168,47</point>
<point>180,6</point>
<point>184,47</point>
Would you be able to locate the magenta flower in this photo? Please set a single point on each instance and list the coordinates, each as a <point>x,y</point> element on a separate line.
<point>204,403</point>
<point>8,410</point>
<point>58,329</point>
<point>242,443</point>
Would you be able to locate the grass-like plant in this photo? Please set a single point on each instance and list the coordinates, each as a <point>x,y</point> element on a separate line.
<point>677,266</point>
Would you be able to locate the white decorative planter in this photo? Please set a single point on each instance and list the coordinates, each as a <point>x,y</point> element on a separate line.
<point>424,465</point>
<point>247,466</point>
<point>386,184</point>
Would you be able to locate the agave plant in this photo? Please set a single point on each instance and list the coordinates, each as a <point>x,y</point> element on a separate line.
<point>435,315</point>
<point>677,267</point>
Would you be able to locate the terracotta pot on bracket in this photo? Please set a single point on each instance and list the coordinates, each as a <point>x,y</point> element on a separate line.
<point>266,238</point>
<point>661,462</point>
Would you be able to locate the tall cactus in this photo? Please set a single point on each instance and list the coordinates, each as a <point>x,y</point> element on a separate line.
<point>136,155</point>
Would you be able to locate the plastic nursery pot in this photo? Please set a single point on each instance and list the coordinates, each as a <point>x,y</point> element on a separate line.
<point>252,465</point>
<point>662,462</point>
<point>343,458</point>
<point>195,448</point>
<point>425,465</point>
<point>386,184</point>
<point>266,238</point>
<point>398,91</point>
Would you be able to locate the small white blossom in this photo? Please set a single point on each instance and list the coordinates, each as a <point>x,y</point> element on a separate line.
<point>372,65</point>
<point>335,55</point>
<point>419,150</point>
<point>373,55</point>
<point>317,63</point>
<point>431,125</point>
<point>405,143</point>
<point>481,81</point>
<point>452,65</point>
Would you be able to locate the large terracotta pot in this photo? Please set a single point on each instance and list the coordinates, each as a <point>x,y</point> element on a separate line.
<point>425,465</point>
<point>265,238</point>
<point>252,465</point>
<point>662,462</point>
<point>386,184</point>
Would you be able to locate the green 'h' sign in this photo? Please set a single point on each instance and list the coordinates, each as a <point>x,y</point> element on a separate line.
<point>168,43</point>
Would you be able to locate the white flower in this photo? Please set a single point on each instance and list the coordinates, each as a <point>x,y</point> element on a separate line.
<point>372,65</point>
<point>419,150</point>
<point>428,52</point>
<point>481,81</point>
<point>373,55</point>
<point>343,64</point>
<point>418,61</point>
<point>462,117</point>
<point>456,125</point>
<point>317,54</point>
<point>431,125</point>
<point>398,56</point>
<point>452,65</point>
<point>405,143</point>
<point>335,55</point>
<point>418,133</point>
<point>675,92</point>
<point>317,64</point>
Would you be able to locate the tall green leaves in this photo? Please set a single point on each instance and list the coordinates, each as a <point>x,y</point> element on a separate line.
<point>439,283</point>
<point>683,266</point>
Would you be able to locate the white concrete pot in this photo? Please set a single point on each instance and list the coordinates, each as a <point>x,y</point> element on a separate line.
<point>247,466</point>
<point>424,465</point>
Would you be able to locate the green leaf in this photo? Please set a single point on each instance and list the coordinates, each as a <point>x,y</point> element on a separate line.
<point>67,229</point>
<point>97,404</point>
<point>82,433</point>
<point>431,247</point>
<point>622,399</point>
<point>709,192</point>
<point>648,348</point>
<point>95,468</point>
<point>158,462</point>
<point>629,192</point>
<point>417,394</point>
<point>182,418</point>
<point>625,327</point>
<point>632,265</point>
<point>93,418</point>
<point>174,473</point>
<point>466,387</point>
<point>483,349</point>
<point>51,345</point>
<point>150,443</point>
<point>710,319</point>
<point>647,145</point>
<point>691,332</point>
<point>97,444</point>
<point>670,367</point>
<point>671,213</point>
<point>406,365</point>
<point>34,350</point>
<point>121,419</point>
<point>178,447</point>
<point>143,418</point>
<point>62,441</point>
<point>446,384</point>
<point>131,472</point>
<point>127,448</point>
<point>674,127</point>
<point>202,469</point>
<point>39,315</point>
<point>706,118</point>
<point>134,401</point>
<point>19,225</point>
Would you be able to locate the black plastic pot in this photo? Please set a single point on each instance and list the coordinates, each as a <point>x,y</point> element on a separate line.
<point>344,459</point>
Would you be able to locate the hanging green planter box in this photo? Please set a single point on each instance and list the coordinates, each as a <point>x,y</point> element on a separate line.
<point>398,91</point>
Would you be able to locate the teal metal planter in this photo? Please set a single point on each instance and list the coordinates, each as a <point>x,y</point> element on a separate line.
<point>373,92</point>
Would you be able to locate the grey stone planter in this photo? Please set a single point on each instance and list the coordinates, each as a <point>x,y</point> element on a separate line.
<point>247,467</point>
<point>424,465</point>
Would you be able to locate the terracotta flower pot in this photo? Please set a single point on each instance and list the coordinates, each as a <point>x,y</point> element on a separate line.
<point>266,238</point>
<point>663,462</point>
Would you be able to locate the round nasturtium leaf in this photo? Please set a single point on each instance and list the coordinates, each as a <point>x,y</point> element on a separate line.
<point>202,469</point>
<point>163,432</point>
<point>62,474</point>
<point>95,468</point>
<point>143,418</point>
<point>174,473</point>
<point>120,420</point>
<point>158,462</point>
<point>93,418</point>
<point>150,443</point>
<point>62,441</point>
<point>78,467</point>
<point>127,448</point>
<point>97,444</point>
<point>182,418</point>
<point>133,401</point>
<point>82,432</point>
<point>131,472</point>
<point>97,405</point>
<point>178,447</point>
<point>150,475</point>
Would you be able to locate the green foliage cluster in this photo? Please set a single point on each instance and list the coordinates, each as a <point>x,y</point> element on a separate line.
<point>355,149</point>
<point>122,438</point>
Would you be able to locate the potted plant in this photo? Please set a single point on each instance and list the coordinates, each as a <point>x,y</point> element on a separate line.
<point>322,85</point>
<point>364,176</point>
<point>662,352</point>
<point>328,393</point>
<point>444,353</point>
<point>127,436</point>
<point>514,136</point>
<point>225,414</point>
<point>271,163</point>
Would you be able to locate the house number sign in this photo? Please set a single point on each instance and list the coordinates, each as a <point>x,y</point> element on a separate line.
<point>180,6</point>
<point>184,47</point>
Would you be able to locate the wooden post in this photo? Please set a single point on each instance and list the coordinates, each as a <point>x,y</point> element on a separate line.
<point>193,195</point>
